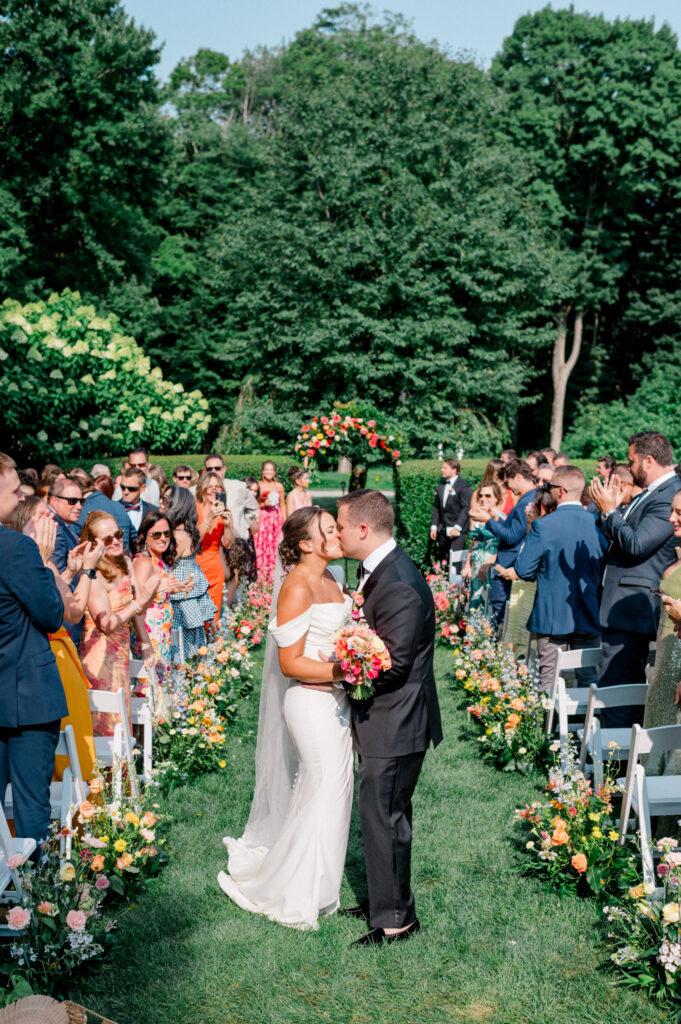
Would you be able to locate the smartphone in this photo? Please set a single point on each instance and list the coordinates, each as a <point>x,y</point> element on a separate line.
<point>221,497</point>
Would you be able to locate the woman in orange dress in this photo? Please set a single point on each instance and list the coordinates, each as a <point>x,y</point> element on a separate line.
<point>105,643</point>
<point>215,533</point>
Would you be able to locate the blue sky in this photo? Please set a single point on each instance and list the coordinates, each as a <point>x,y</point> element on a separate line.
<point>231,27</point>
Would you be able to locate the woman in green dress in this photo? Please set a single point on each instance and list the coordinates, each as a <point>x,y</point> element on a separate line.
<point>482,553</point>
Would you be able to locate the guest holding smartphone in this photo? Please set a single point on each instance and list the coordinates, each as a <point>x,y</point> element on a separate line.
<point>215,532</point>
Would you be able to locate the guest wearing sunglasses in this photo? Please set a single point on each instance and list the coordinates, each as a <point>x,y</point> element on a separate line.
<point>113,604</point>
<point>132,484</point>
<point>185,476</point>
<point>156,553</point>
<point>65,500</point>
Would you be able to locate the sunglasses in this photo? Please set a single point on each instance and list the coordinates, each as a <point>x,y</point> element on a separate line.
<point>213,469</point>
<point>69,501</point>
<point>183,476</point>
<point>137,465</point>
<point>108,541</point>
<point>160,533</point>
<point>127,487</point>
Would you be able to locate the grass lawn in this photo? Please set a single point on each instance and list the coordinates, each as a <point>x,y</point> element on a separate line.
<point>377,476</point>
<point>494,946</point>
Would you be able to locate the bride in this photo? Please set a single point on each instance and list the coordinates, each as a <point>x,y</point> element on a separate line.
<point>288,865</point>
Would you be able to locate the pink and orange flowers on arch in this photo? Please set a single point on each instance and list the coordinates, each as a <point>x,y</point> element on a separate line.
<point>322,433</point>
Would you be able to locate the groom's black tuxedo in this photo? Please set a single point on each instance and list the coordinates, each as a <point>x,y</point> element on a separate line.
<point>392,731</point>
<point>404,716</point>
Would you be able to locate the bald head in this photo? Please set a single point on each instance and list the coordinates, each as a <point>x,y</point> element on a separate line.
<point>572,481</point>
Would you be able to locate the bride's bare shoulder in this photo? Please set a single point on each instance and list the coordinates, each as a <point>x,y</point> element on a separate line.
<point>295,597</point>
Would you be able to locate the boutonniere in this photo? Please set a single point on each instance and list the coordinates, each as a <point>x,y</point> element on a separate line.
<point>357,602</point>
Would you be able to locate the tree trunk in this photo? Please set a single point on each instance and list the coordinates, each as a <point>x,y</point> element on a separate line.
<point>561,370</point>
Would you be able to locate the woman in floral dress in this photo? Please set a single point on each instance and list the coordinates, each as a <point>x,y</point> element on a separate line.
<point>482,553</point>
<point>271,499</point>
<point>156,552</point>
<point>113,604</point>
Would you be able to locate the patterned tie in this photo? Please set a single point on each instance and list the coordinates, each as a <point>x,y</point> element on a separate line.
<point>133,508</point>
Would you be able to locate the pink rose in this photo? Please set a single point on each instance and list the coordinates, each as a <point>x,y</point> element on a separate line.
<point>147,834</point>
<point>97,844</point>
<point>15,861</point>
<point>18,918</point>
<point>76,920</point>
<point>102,882</point>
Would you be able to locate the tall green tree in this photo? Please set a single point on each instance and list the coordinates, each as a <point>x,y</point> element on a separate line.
<point>83,149</point>
<point>596,105</point>
<point>387,250</point>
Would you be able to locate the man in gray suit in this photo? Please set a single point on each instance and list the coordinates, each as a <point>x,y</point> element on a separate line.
<point>641,547</point>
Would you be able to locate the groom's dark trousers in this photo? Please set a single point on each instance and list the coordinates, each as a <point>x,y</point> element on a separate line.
<point>392,732</point>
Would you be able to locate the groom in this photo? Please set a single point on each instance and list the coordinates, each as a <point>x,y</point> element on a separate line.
<point>393,729</point>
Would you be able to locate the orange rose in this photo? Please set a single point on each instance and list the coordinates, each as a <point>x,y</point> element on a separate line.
<point>579,863</point>
<point>97,784</point>
<point>558,823</point>
<point>518,704</point>
<point>124,861</point>
<point>560,837</point>
<point>87,809</point>
<point>97,863</point>
<point>512,721</point>
<point>212,688</point>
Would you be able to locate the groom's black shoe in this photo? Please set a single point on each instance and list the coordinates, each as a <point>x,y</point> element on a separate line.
<point>361,910</point>
<point>377,937</point>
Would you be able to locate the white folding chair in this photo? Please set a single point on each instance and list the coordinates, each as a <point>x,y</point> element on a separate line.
<point>649,795</point>
<point>456,559</point>
<point>142,716</point>
<point>598,742</point>
<point>10,847</point>
<point>574,698</point>
<point>177,640</point>
<point>64,795</point>
<point>117,750</point>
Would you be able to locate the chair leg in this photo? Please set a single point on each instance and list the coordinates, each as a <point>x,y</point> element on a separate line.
<point>644,826</point>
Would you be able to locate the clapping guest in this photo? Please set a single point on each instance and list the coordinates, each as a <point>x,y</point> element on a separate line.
<point>155,554</point>
<point>131,487</point>
<point>113,605</point>
<point>215,533</point>
<point>32,701</point>
<point>65,500</point>
<point>482,553</point>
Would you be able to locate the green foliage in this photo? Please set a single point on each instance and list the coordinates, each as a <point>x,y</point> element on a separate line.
<point>74,384</point>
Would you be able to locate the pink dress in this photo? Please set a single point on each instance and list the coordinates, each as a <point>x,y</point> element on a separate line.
<point>105,657</point>
<point>268,537</point>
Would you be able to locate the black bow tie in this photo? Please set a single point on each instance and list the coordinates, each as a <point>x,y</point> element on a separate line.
<point>133,508</point>
<point>361,572</point>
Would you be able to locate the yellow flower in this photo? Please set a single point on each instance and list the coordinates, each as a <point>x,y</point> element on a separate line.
<point>613,835</point>
<point>222,764</point>
<point>120,845</point>
<point>67,872</point>
<point>132,818</point>
<point>637,892</point>
<point>671,912</point>
<point>104,839</point>
<point>594,817</point>
<point>596,833</point>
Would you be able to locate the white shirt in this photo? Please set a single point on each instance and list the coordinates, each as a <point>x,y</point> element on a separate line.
<point>372,561</point>
<point>449,488</point>
<point>135,517</point>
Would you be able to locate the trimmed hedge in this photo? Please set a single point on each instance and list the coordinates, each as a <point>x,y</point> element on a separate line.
<point>415,484</point>
<point>237,466</point>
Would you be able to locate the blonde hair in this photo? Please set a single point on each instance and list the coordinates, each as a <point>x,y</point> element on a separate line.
<point>110,568</point>
<point>203,483</point>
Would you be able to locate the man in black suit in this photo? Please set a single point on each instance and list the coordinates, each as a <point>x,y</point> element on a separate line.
<point>641,540</point>
<point>32,700</point>
<point>132,484</point>
<point>449,524</point>
<point>393,729</point>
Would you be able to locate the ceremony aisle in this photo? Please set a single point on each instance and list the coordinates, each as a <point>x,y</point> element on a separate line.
<point>494,946</point>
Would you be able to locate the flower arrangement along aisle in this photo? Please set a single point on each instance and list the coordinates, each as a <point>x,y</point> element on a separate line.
<point>502,698</point>
<point>449,606</point>
<point>574,840</point>
<point>644,933</point>
<point>248,620</point>
<point>204,696</point>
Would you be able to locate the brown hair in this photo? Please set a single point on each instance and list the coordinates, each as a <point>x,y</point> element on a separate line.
<point>104,484</point>
<point>110,568</point>
<point>130,471</point>
<point>204,480</point>
<point>453,463</point>
<point>517,467</point>
<point>268,462</point>
<point>297,527</point>
<point>495,488</point>
<point>7,464</point>
<point>295,473</point>
<point>649,442</point>
<point>82,478</point>
<point>370,507</point>
<point>491,470</point>
<point>23,513</point>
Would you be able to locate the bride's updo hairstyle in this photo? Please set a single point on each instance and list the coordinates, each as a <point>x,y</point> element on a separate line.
<point>299,526</point>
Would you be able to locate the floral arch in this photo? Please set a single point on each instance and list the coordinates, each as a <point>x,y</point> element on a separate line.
<point>347,435</point>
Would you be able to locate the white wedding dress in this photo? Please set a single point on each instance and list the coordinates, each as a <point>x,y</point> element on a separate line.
<point>289,863</point>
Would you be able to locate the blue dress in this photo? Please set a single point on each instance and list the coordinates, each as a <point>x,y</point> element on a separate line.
<point>192,612</point>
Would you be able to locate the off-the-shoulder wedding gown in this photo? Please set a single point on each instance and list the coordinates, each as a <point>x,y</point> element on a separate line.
<point>298,877</point>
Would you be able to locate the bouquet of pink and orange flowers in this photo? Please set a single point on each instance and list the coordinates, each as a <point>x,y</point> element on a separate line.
<point>362,655</point>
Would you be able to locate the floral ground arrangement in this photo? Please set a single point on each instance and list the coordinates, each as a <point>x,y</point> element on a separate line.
<point>449,606</point>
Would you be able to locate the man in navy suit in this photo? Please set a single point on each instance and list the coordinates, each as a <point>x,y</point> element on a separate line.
<point>449,524</point>
<point>563,552</point>
<point>132,484</point>
<point>511,531</point>
<point>65,501</point>
<point>641,546</point>
<point>32,700</point>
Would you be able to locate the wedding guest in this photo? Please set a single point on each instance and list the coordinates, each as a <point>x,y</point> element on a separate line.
<point>641,546</point>
<point>482,553</point>
<point>32,701</point>
<point>65,501</point>
<point>97,496</point>
<point>28,480</point>
<point>549,454</point>
<point>508,455</point>
<point>545,502</point>
<point>449,521</point>
<point>272,504</point>
<point>104,484</point>
<point>138,459</point>
<point>239,568</point>
<point>563,553</point>
<point>132,488</point>
<point>241,502</point>
<point>113,605</point>
<point>561,459</point>
<point>100,469</point>
<point>194,612</point>
<point>606,465</point>
<point>534,460</point>
<point>510,533</point>
<point>158,474</point>
<point>299,495</point>
<point>155,553</point>
<point>544,474</point>
<point>215,533</point>
<point>183,476</point>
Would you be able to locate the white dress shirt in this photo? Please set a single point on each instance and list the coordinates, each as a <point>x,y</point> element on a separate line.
<point>372,561</point>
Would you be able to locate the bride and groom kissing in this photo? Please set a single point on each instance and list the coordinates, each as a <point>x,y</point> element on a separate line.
<point>288,865</point>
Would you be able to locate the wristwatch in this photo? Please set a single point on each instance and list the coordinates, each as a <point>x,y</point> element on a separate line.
<point>92,573</point>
